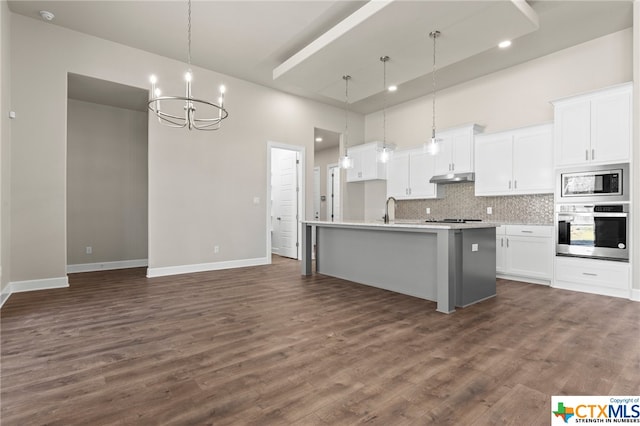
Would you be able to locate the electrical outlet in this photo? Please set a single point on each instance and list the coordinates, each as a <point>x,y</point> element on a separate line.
<point>489,210</point>
<point>474,247</point>
<point>88,250</point>
<point>428,210</point>
<point>216,249</point>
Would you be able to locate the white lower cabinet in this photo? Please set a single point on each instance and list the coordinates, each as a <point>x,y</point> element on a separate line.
<point>525,253</point>
<point>592,276</point>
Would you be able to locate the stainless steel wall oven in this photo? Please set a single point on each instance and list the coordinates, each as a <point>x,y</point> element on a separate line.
<point>594,231</point>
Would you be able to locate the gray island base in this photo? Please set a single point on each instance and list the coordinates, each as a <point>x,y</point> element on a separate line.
<point>450,264</point>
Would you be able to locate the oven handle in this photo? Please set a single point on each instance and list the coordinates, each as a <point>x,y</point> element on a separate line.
<point>572,214</point>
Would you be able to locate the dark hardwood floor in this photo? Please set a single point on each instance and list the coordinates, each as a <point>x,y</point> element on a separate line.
<point>264,345</point>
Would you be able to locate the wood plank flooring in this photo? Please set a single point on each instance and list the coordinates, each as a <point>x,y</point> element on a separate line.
<point>264,345</point>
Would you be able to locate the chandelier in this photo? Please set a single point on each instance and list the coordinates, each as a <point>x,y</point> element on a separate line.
<point>432,146</point>
<point>346,162</point>
<point>212,113</point>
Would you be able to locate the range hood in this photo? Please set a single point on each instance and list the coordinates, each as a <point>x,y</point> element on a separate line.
<point>453,178</point>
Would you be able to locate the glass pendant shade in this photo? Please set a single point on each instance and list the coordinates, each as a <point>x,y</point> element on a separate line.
<point>346,162</point>
<point>432,146</point>
<point>385,155</point>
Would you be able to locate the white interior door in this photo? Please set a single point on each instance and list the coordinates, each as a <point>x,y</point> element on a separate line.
<point>334,212</point>
<point>284,170</point>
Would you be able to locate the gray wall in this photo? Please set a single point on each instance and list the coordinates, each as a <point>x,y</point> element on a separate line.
<point>5,145</point>
<point>106,183</point>
<point>201,184</point>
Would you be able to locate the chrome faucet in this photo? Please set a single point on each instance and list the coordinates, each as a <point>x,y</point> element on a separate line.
<point>386,208</point>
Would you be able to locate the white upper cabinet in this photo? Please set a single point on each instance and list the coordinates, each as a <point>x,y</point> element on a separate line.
<point>516,162</point>
<point>594,127</point>
<point>455,153</point>
<point>408,175</point>
<point>365,163</point>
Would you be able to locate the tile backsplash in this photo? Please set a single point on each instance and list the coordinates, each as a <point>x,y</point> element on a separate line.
<point>459,201</point>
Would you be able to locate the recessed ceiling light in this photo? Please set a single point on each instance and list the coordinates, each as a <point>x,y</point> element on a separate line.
<point>504,44</point>
<point>318,139</point>
<point>393,88</point>
<point>46,15</point>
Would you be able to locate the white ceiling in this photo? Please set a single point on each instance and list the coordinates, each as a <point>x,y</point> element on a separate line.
<point>251,39</point>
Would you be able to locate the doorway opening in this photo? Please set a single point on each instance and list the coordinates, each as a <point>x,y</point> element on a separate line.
<point>326,156</point>
<point>286,195</point>
<point>107,175</point>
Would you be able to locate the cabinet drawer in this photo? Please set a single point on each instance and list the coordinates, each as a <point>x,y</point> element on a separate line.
<point>529,230</point>
<point>599,273</point>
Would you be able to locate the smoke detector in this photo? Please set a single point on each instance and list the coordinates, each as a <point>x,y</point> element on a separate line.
<point>46,15</point>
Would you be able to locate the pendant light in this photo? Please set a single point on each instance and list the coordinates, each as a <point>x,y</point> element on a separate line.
<point>346,162</point>
<point>432,146</point>
<point>384,155</point>
<point>187,102</point>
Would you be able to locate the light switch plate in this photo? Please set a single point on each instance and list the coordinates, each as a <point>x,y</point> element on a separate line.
<point>474,247</point>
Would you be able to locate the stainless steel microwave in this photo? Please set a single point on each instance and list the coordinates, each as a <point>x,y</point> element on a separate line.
<point>594,184</point>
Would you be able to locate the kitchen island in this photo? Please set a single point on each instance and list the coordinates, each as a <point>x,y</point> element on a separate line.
<point>450,264</point>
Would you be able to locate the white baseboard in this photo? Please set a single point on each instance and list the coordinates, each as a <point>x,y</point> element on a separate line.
<point>204,267</point>
<point>106,266</point>
<point>6,292</point>
<point>44,284</point>
<point>635,295</point>
<point>32,285</point>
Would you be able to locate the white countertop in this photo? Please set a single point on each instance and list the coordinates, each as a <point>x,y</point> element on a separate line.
<point>403,224</point>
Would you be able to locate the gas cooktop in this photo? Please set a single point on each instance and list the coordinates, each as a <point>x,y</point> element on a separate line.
<point>452,220</point>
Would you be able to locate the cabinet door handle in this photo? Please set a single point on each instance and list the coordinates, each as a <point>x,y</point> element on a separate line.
<point>527,232</point>
<point>507,243</point>
<point>593,153</point>
<point>515,184</point>
<point>453,167</point>
<point>590,274</point>
<point>509,184</point>
<point>501,242</point>
<point>586,154</point>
